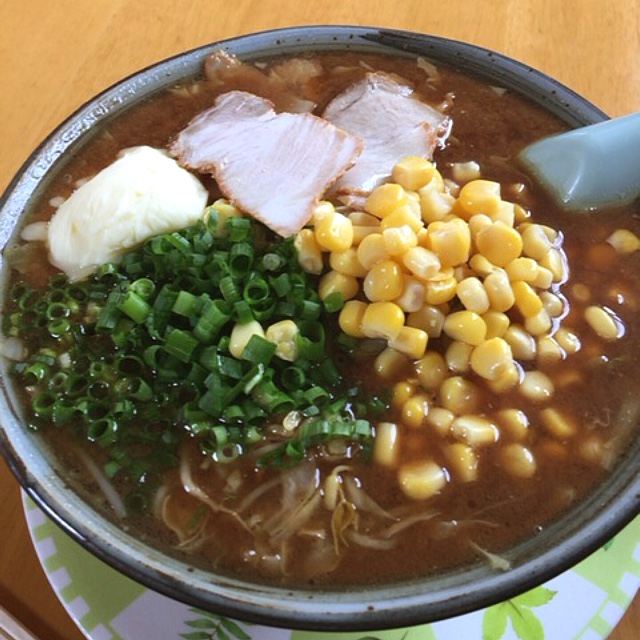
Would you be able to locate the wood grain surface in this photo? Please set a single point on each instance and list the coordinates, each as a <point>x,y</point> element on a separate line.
<point>55,55</point>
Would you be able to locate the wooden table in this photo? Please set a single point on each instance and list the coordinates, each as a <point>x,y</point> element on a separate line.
<point>56,55</point>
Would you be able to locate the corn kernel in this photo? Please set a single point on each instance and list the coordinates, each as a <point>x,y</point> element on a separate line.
<point>436,182</point>
<point>415,410</point>
<point>462,271</point>
<point>459,395</point>
<point>363,219</point>
<point>457,356</point>
<point>360,232</point>
<point>402,391</point>
<point>514,423</point>
<point>421,262</point>
<point>439,291</point>
<point>506,380</point>
<point>386,446</point>
<point>413,202</point>
<point>241,334</point>
<point>389,363</point>
<point>525,269</point>
<point>521,214</point>
<point>477,223</point>
<point>336,282</point>
<point>568,340</point>
<point>465,326</point>
<point>401,217</point>
<point>428,318</point>
<point>384,281</point>
<point>431,370</point>
<point>548,351</point>
<point>462,460</point>
<point>309,251</point>
<point>423,238</point>
<point>581,292</point>
<point>501,296</point>
<point>526,299</point>
<point>497,323</point>
<point>536,386</point>
<point>412,298</point>
<point>398,240</point>
<point>284,335</point>
<point>517,460</point>
<point>544,278</point>
<point>555,262</point>
<point>421,480</point>
<point>506,214</point>
<point>473,295</point>
<point>382,320</point>
<point>499,243</point>
<point>323,208</point>
<point>481,266</point>
<point>435,204</point>
<point>604,323</point>
<point>480,196</point>
<point>350,318</point>
<point>535,241</point>
<point>491,358</point>
<point>440,420</point>
<point>557,424</point>
<point>410,341</point>
<point>553,303</point>
<point>412,172</point>
<point>465,171</point>
<point>225,210</point>
<point>372,250</point>
<point>347,263</point>
<point>539,324</point>
<point>385,199</point>
<point>474,430</point>
<point>450,240</point>
<point>334,232</point>
<point>624,241</point>
<point>522,343</point>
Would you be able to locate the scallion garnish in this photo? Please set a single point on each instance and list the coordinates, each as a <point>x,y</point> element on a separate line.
<point>139,353</point>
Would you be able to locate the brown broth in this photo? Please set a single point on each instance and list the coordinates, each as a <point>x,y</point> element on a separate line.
<point>497,509</point>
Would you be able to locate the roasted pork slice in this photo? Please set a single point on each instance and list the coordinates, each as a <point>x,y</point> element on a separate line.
<point>286,84</point>
<point>273,166</point>
<point>392,122</point>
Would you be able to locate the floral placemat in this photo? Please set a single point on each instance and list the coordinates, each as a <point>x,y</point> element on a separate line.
<point>584,603</point>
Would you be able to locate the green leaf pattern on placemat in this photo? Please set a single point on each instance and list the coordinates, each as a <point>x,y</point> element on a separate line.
<point>209,626</point>
<point>518,611</point>
<point>102,600</point>
<point>423,632</point>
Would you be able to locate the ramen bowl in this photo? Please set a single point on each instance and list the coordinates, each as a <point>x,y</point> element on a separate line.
<point>562,543</point>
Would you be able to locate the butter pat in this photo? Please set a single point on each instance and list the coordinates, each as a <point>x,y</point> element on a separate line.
<point>142,194</point>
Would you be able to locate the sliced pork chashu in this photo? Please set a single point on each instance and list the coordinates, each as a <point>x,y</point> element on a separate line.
<point>392,122</point>
<point>273,166</point>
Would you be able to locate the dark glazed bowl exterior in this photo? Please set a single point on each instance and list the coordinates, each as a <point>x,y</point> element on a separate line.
<point>564,543</point>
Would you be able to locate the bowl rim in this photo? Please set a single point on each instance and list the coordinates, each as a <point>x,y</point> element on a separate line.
<point>372,608</point>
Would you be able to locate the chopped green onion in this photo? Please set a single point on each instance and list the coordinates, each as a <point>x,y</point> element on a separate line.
<point>181,344</point>
<point>259,350</point>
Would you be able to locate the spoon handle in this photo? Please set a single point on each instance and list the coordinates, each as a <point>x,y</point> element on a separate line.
<point>591,167</point>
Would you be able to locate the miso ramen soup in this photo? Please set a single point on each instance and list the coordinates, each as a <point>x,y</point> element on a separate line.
<point>425,364</point>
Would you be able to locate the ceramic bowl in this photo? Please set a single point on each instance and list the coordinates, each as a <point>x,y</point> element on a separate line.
<point>562,544</point>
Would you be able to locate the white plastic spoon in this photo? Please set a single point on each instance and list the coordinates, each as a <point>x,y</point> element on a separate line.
<point>590,168</point>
